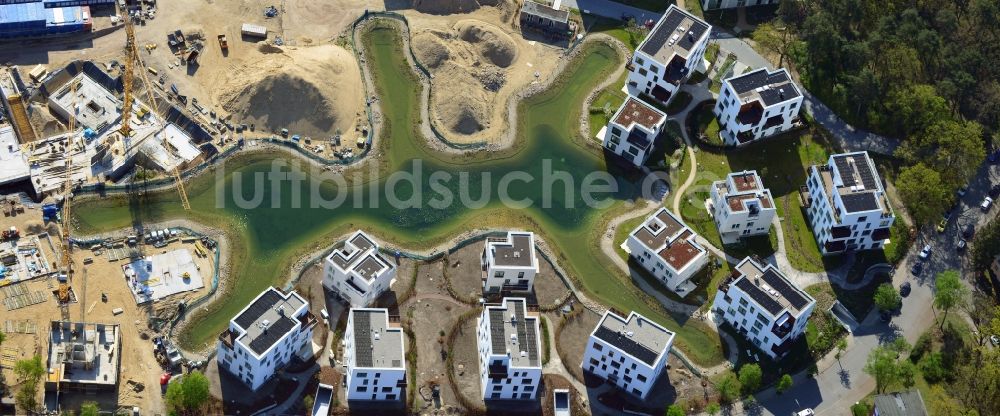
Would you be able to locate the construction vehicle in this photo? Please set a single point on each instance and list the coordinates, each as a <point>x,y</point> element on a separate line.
<point>223,43</point>
<point>10,234</point>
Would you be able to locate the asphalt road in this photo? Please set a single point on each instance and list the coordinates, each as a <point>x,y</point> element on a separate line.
<point>610,9</point>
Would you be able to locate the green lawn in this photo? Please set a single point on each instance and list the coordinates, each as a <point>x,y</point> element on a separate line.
<point>781,162</point>
<point>726,66</point>
<point>605,104</point>
<point>707,124</point>
<point>654,5</point>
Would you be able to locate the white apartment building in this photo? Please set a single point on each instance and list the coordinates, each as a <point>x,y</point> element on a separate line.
<point>633,130</point>
<point>666,247</point>
<point>630,353</point>
<point>264,336</point>
<point>357,272</point>
<point>756,105</point>
<point>672,51</point>
<point>373,356</point>
<point>510,366</point>
<point>764,306</point>
<point>729,4</point>
<point>509,263</point>
<point>742,206</point>
<point>846,204</point>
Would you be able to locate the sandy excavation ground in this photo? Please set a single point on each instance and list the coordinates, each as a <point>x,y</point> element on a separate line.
<point>138,364</point>
<point>478,61</point>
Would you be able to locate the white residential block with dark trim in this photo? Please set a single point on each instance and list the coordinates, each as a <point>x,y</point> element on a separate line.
<point>357,272</point>
<point>756,105</point>
<point>264,336</point>
<point>374,363</point>
<point>730,4</point>
<point>847,205</point>
<point>666,247</point>
<point>742,206</point>
<point>630,353</point>
<point>764,306</point>
<point>509,263</point>
<point>510,366</point>
<point>633,130</point>
<point>672,51</point>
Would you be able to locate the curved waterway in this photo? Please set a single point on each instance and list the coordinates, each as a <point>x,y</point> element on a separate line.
<point>287,223</point>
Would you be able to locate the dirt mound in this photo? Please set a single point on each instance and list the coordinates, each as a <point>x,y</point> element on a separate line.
<point>493,45</point>
<point>430,49</point>
<point>267,48</point>
<point>310,91</point>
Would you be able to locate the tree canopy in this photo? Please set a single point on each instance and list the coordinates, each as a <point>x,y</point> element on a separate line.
<point>887,298</point>
<point>189,394</point>
<point>948,292</point>
<point>922,192</point>
<point>750,377</point>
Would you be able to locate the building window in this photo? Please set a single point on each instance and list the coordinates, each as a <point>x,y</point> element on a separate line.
<point>498,274</point>
<point>598,347</point>
<point>362,389</point>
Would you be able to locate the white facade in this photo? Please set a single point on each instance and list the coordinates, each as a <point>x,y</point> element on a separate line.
<point>374,364</point>
<point>633,130</point>
<point>846,204</point>
<point>357,272</point>
<point>672,51</point>
<point>666,247</point>
<point>729,4</point>
<point>756,105</point>
<point>263,337</point>
<point>509,263</point>
<point>764,306</point>
<point>510,366</point>
<point>742,206</point>
<point>630,353</point>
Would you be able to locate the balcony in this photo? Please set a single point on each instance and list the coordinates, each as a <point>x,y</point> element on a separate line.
<point>228,338</point>
<point>308,320</point>
<point>352,285</point>
<point>497,371</point>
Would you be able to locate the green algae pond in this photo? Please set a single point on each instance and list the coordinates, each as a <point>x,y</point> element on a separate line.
<point>267,238</point>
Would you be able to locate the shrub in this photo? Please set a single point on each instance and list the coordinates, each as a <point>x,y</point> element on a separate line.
<point>933,368</point>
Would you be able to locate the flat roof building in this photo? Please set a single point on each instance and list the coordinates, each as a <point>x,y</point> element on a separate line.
<point>263,337</point>
<point>632,131</point>
<point>510,366</point>
<point>357,272</point>
<point>672,51</point>
<point>83,356</point>
<point>741,206</point>
<point>374,356</point>
<point>756,105</point>
<point>666,247</point>
<point>630,352</point>
<point>764,306</point>
<point>509,263</point>
<point>13,162</point>
<point>548,19</point>
<point>847,205</point>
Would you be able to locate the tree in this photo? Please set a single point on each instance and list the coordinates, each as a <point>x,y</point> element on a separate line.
<point>914,108</point>
<point>949,292</point>
<point>887,298</point>
<point>307,402</point>
<point>784,383</point>
<point>954,149</point>
<point>750,377</point>
<point>189,394</point>
<point>922,192</point>
<point>713,409</point>
<point>932,367</point>
<point>881,365</point>
<point>981,311</point>
<point>905,373</point>
<point>89,409</point>
<point>30,372</point>
<point>729,389</point>
<point>675,410</point>
<point>778,40</point>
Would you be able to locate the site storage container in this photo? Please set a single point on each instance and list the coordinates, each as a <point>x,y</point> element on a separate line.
<point>249,29</point>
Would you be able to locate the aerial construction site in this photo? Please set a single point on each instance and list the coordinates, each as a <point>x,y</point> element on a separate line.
<point>121,99</point>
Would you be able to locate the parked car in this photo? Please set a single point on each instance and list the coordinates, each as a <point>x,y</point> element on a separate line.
<point>995,191</point>
<point>968,231</point>
<point>995,340</point>
<point>942,224</point>
<point>987,203</point>
<point>961,244</point>
<point>885,316</point>
<point>917,267</point>
<point>925,253</point>
<point>904,289</point>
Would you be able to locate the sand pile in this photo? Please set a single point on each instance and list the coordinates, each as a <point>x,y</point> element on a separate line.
<point>311,91</point>
<point>474,57</point>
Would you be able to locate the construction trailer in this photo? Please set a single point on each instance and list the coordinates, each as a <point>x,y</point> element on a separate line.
<point>252,30</point>
<point>37,18</point>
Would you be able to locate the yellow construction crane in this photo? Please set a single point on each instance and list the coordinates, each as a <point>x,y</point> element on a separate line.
<point>132,64</point>
<point>67,192</point>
